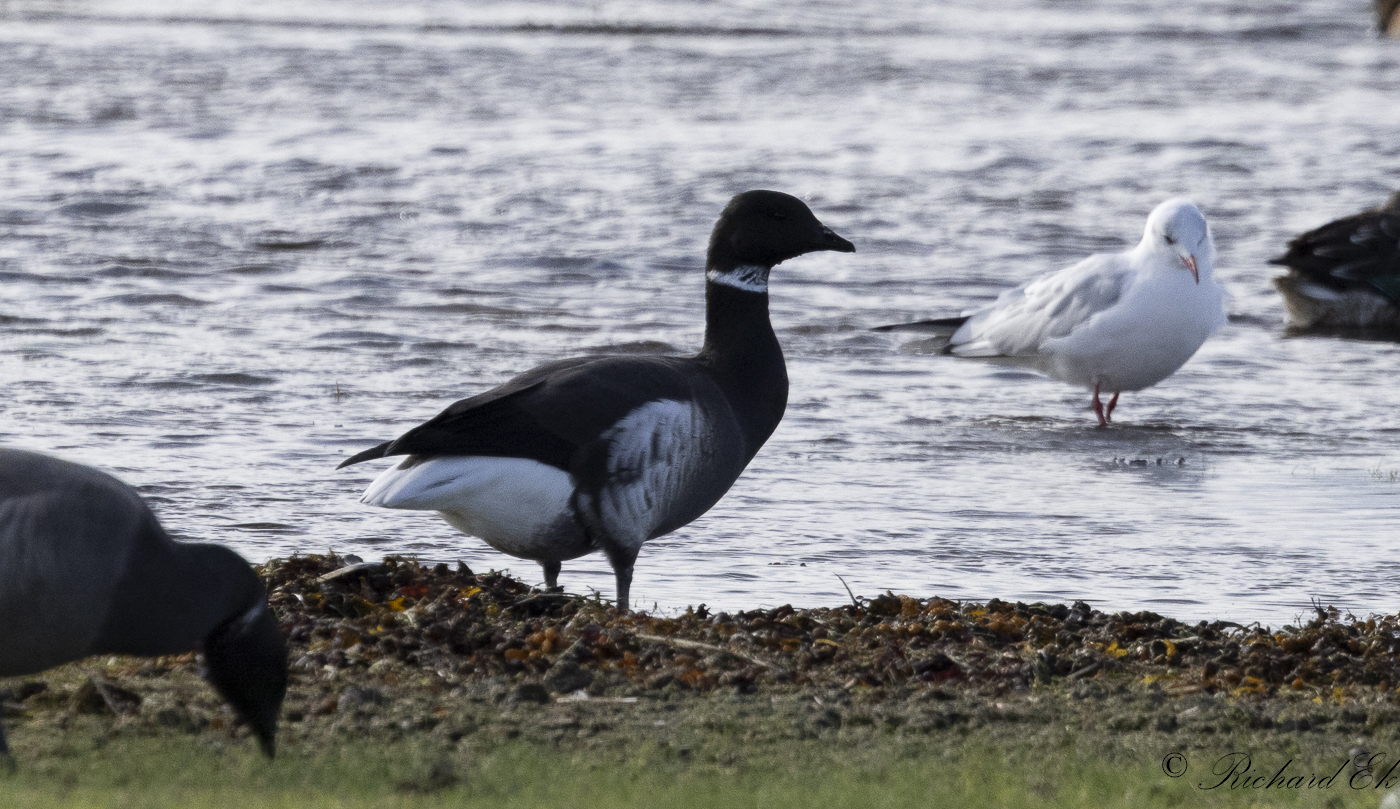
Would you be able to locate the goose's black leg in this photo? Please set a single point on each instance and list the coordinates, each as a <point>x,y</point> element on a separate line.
<point>551,573</point>
<point>622,560</point>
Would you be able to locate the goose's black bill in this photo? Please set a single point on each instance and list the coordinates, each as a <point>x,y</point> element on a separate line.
<point>830,241</point>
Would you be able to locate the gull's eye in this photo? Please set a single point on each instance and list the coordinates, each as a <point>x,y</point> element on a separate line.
<point>1169,239</point>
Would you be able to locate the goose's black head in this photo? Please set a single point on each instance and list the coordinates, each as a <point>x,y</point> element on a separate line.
<point>762,228</point>
<point>245,659</point>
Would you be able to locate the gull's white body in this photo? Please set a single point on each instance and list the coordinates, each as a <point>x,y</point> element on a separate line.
<point>1116,322</point>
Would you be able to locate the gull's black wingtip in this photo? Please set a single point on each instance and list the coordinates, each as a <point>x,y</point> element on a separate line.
<point>368,455</point>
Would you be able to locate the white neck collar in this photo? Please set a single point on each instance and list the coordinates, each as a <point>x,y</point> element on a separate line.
<point>245,622</point>
<point>747,277</point>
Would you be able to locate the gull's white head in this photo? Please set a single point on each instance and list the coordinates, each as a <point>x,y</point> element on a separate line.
<point>1177,227</point>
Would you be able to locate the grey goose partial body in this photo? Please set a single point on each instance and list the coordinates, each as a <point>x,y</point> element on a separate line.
<point>1345,275</point>
<point>604,453</point>
<point>86,569</point>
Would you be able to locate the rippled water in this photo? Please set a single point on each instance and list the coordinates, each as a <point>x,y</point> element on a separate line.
<point>237,247</point>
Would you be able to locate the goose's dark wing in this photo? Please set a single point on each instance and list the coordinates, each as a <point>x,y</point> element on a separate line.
<point>546,414</point>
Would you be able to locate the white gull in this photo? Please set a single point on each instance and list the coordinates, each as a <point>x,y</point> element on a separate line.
<point>1113,322</point>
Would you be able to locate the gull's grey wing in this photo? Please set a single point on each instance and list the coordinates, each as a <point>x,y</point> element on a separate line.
<point>1051,306</point>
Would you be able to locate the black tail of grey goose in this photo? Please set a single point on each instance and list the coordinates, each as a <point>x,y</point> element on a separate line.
<point>605,453</point>
<point>86,569</point>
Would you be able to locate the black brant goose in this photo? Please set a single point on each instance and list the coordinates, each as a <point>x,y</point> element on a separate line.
<point>1345,275</point>
<point>86,569</point>
<point>605,453</point>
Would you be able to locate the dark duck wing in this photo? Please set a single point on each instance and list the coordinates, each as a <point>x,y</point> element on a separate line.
<point>1346,273</point>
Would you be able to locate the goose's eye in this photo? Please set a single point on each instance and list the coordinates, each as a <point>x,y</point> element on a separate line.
<point>780,216</point>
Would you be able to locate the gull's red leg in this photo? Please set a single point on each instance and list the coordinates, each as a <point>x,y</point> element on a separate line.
<point>1098,406</point>
<point>1112,403</point>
